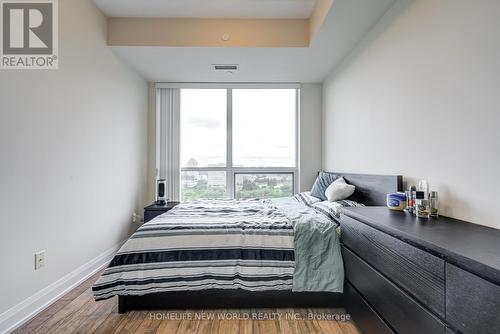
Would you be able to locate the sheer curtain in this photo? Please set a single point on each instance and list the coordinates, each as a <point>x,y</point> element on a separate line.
<point>168,139</point>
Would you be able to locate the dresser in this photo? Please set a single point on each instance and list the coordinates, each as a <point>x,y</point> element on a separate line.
<point>407,275</point>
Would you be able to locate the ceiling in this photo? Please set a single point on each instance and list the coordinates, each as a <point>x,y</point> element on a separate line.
<point>208,8</point>
<point>345,25</point>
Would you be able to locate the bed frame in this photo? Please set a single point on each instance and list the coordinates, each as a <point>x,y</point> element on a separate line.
<point>371,190</point>
<point>219,299</point>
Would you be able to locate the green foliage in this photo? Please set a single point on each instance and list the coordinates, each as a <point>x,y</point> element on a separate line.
<point>248,185</point>
<point>190,194</point>
<point>265,192</point>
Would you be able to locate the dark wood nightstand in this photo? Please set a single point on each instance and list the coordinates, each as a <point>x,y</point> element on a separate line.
<point>154,210</point>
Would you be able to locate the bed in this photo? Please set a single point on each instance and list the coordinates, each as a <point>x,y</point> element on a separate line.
<point>232,253</point>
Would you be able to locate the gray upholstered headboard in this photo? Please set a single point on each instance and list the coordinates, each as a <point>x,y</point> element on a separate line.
<point>371,190</point>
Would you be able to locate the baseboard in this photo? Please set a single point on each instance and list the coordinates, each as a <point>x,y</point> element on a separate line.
<point>31,306</point>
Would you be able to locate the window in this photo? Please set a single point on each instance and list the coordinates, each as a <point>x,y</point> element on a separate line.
<point>263,185</point>
<point>203,127</point>
<point>203,184</point>
<point>264,127</point>
<point>237,142</point>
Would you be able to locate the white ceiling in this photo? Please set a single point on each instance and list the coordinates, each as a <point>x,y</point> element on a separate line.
<point>208,8</point>
<point>347,22</point>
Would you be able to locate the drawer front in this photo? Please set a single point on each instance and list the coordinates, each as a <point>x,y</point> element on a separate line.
<point>397,308</point>
<point>419,273</point>
<point>363,315</point>
<point>472,303</point>
<point>150,214</point>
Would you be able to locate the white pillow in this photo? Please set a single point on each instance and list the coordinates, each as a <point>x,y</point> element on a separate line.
<point>339,190</point>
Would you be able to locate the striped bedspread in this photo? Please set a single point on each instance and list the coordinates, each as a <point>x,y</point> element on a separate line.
<point>208,244</point>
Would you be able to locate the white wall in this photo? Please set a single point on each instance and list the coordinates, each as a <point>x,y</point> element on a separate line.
<point>420,97</point>
<point>310,134</point>
<point>73,154</point>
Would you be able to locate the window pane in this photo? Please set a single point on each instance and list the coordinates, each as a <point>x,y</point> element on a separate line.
<point>198,185</point>
<point>263,185</point>
<point>264,127</point>
<point>203,127</point>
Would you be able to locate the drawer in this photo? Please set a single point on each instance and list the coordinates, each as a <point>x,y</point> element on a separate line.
<point>417,272</point>
<point>366,319</point>
<point>150,214</point>
<point>397,308</point>
<point>472,303</point>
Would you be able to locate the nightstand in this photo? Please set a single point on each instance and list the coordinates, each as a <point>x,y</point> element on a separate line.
<point>154,210</point>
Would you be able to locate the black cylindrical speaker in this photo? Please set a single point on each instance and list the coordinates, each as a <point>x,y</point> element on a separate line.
<point>161,192</point>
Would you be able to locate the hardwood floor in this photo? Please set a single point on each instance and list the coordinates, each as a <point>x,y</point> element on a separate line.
<point>77,312</point>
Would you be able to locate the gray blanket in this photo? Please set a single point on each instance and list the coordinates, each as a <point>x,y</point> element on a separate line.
<point>318,262</point>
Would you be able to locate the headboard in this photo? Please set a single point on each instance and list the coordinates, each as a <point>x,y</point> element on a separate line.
<point>371,190</point>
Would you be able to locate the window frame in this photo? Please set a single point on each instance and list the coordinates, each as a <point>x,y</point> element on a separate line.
<point>230,170</point>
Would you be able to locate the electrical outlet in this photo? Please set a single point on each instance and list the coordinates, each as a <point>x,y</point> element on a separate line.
<point>134,218</point>
<point>39,259</point>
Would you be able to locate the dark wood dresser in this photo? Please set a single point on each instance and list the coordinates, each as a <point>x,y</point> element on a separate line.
<point>407,275</point>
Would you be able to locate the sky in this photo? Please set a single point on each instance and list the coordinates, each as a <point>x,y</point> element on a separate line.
<point>263,127</point>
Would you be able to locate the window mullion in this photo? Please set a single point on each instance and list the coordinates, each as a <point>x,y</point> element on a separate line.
<point>229,145</point>
<point>296,180</point>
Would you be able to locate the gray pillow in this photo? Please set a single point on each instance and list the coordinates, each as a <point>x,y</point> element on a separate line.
<point>322,182</point>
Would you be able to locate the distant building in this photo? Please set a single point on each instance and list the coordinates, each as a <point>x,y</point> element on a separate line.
<point>216,179</point>
<point>190,179</point>
<point>192,162</point>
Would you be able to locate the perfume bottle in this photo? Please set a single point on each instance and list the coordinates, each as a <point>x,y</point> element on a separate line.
<point>410,199</point>
<point>423,185</point>
<point>434,204</point>
<point>421,205</point>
